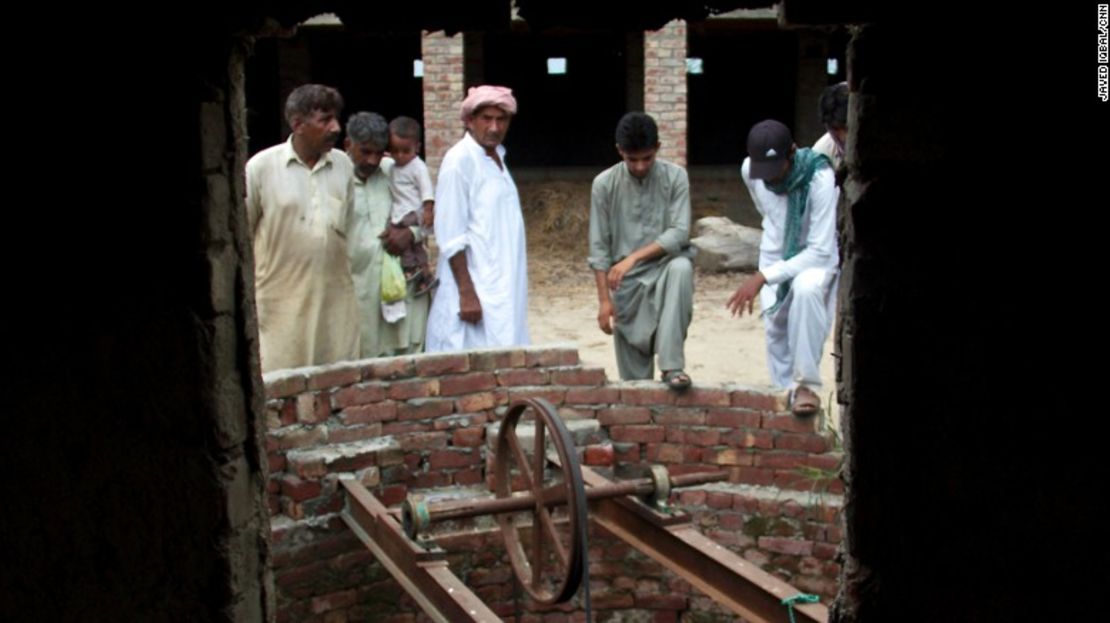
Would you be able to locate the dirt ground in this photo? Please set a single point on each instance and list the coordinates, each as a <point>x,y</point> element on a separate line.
<point>563,298</point>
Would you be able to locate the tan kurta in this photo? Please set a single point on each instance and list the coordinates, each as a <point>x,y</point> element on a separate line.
<point>372,205</point>
<point>298,217</point>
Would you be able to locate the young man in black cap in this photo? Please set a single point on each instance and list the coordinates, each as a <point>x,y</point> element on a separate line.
<point>795,191</point>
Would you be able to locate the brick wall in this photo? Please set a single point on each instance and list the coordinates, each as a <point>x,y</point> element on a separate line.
<point>443,92</point>
<point>409,423</point>
<point>665,87</point>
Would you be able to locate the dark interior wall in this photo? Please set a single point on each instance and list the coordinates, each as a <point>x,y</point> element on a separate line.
<point>568,119</point>
<point>750,74</point>
<point>973,448</point>
<point>373,72</point>
<point>130,359</point>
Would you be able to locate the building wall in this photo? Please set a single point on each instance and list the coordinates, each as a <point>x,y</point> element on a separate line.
<point>443,92</point>
<point>406,424</point>
<point>665,87</point>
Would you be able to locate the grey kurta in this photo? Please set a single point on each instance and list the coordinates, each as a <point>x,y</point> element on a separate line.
<point>655,302</point>
<point>372,203</point>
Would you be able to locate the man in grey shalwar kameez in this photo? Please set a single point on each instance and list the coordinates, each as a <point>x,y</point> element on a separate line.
<point>640,253</point>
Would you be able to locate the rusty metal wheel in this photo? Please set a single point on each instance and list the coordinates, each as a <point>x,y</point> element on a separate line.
<point>552,569</point>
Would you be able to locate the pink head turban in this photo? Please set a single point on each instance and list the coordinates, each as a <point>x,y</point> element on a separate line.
<point>488,95</point>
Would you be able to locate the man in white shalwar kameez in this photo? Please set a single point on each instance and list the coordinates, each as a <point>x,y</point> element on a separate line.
<point>482,299</point>
<point>369,238</point>
<point>795,191</point>
<point>640,253</point>
<point>298,209</point>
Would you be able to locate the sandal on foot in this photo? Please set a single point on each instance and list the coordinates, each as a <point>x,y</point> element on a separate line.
<point>805,402</point>
<point>676,379</point>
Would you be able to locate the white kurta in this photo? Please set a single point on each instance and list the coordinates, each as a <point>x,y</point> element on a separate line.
<point>796,332</point>
<point>303,289</point>
<point>411,186</point>
<point>371,213</point>
<point>478,212</point>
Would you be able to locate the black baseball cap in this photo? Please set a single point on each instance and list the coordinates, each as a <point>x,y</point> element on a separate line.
<point>769,144</point>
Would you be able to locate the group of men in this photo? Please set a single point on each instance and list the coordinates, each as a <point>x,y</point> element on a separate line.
<point>320,219</point>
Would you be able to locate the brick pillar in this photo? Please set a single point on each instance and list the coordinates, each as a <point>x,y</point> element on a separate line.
<point>665,87</point>
<point>443,92</point>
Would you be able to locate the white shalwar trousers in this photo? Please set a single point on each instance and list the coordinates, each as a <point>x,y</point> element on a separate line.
<point>797,330</point>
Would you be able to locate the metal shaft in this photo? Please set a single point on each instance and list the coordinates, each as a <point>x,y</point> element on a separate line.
<point>552,496</point>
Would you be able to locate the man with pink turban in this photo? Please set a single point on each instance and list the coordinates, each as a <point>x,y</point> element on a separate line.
<point>483,268</point>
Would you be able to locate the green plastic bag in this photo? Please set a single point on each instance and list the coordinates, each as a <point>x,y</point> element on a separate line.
<point>394,287</point>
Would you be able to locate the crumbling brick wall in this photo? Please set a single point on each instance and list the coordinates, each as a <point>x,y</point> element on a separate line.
<point>405,424</point>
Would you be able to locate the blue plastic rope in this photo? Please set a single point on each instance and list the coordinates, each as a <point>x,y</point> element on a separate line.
<point>802,597</point>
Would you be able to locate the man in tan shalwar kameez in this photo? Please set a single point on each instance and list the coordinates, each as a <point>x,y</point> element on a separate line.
<point>299,203</point>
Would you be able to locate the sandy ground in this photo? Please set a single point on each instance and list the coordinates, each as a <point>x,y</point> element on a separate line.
<point>719,348</point>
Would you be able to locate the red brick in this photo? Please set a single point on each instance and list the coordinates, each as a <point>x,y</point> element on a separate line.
<point>830,462</point>
<point>274,504</point>
<point>791,479</point>
<point>727,456</point>
<point>313,408</point>
<point>273,485</point>
<point>751,475</point>
<point>680,417</point>
<point>612,601</point>
<point>692,468</point>
<point>438,365</point>
<point>288,412</point>
<point>363,393</point>
<point>733,418</point>
<point>425,408</point>
<point>780,460</point>
<point>599,455</point>
<point>414,388</point>
<point>405,428</point>
<point>428,480</point>
<point>592,395</point>
<point>354,433</point>
<point>578,376</point>
<point>393,495</point>
<point>453,459</point>
<point>456,385</point>
<point>750,438</point>
<point>483,401</point>
<point>664,453</point>
<point>814,532</point>
<point>468,477</point>
<point>488,361</point>
<point>354,462</point>
<point>282,384</point>
<point>661,602</point>
<point>700,397</point>
<point>333,601</point>
<point>638,434</point>
<point>649,396</point>
<point>825,551</point>
<point>549,357</point>
<point>294,510</point>
<point>468,437</point>
<point>336,377</point>
<point>664,616</point>
<point>814,444</point>
<point>731,521</point>
<point>553,395</point>
<point>521,376</point>
<point>423,441</point>
<point>275,462</point>
<point>389,369</point>
<point>779,545</point>
<point>718,499</point>
<point>626,452</point>
<point>699,436</point>
<point>692,498</point>
<point>623,415</point>
<point>759,401</point>
<point>790,423</point>
<point>297,437</point>
<point>365,414</point>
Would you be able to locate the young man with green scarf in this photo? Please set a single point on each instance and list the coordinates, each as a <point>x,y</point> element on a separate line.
<point>795,191</point>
